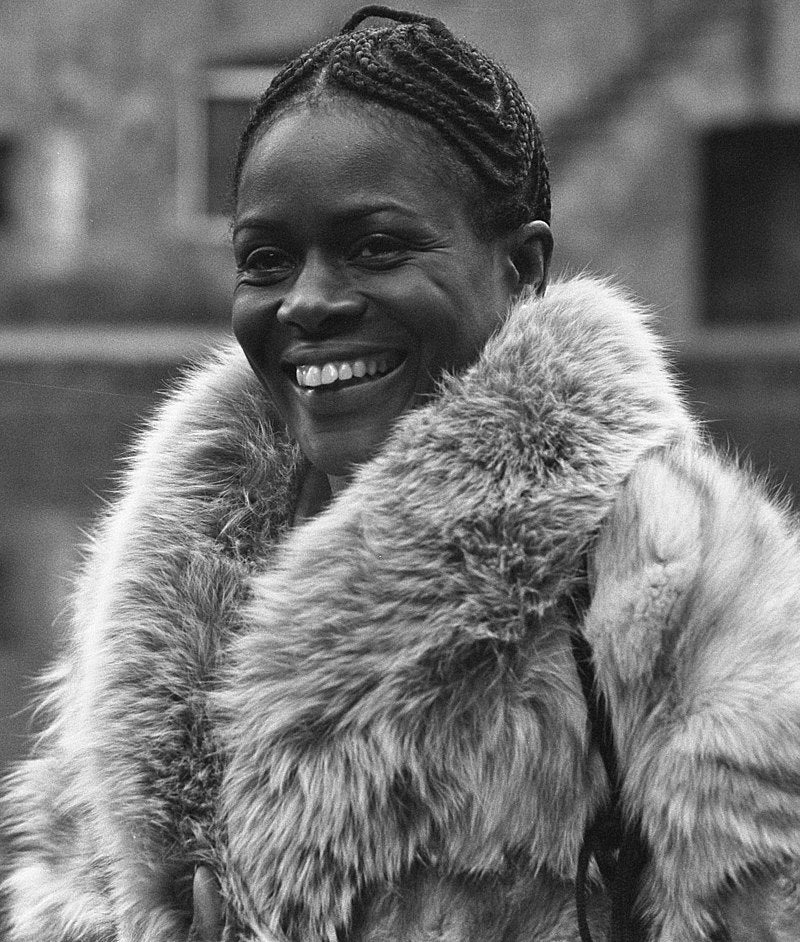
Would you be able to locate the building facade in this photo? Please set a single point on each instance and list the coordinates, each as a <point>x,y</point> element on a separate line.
<point>673,128</point>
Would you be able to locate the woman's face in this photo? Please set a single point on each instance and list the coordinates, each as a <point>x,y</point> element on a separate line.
<point>360,278</point>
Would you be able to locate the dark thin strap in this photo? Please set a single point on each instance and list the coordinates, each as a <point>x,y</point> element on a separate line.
<point>386,13</point>
<point>601,732</point>
<point>619,849</point>
<point>627,920</point>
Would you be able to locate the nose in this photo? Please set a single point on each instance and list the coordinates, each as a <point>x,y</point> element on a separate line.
<point>320,300</point>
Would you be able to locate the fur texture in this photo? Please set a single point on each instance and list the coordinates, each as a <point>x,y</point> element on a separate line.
<point>371,725</point>
<point>695,626</point>
<point>117,803</point>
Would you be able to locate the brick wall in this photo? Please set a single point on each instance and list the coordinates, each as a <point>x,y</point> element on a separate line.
<point>751,403</point>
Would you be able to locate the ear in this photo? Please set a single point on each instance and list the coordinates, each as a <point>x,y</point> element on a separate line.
<point>530,249</point>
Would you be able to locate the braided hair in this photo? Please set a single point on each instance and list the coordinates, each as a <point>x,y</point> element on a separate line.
<point>416,65</point>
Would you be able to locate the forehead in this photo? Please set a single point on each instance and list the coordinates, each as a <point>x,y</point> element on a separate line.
<point>335,151</point>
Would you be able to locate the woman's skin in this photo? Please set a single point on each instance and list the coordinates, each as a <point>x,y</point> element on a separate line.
<point>207,922</point>
<point>353,257</point>
<point>351,250</point>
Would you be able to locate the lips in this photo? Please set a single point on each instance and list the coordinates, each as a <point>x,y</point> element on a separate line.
<point>385,391</point>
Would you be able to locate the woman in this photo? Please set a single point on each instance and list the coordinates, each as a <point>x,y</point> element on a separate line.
<point>364,716</point>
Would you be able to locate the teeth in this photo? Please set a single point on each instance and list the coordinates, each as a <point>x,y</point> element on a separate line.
<point>329,374</point>
<point>313,376</point>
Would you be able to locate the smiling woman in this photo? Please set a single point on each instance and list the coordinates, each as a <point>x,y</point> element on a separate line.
<point>361,277</point>
<point>427,594</point>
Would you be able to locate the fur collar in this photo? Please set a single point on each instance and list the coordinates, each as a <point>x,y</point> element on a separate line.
<point>377,713</point>
<point>403,690</point>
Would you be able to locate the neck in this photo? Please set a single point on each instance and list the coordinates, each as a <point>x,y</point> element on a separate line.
<point>337,484</point>
<point>316,493</point>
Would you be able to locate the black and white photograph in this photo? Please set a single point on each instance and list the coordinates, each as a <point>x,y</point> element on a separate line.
<point>400,471</point>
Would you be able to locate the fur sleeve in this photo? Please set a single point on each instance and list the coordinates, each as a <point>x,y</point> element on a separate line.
<point>695,625</point>
<point>57,889</point>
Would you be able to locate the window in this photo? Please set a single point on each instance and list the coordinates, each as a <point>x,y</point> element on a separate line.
<point>231,93</point>
<point>215,108</point>
<point>751,223</point>
<point>7,154</point>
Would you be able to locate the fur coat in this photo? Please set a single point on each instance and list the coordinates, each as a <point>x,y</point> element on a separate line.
<point>371,725</point>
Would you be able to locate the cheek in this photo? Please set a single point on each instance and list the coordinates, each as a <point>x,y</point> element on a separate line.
<point>484,310</point>
<point>252,324</point>
<point>477,318</point>
<point>472,303</point>
<point>255,331</point>
<point>244,319</point>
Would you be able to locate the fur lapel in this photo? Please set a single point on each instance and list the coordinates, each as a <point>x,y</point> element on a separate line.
<point>124,780</point>
<point>403,690</point>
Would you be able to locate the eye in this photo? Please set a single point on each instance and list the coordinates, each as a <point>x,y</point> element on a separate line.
<point>267,265</point>
<point>380,251</point>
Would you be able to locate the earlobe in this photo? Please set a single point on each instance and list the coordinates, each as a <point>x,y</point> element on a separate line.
<point>530,252</point>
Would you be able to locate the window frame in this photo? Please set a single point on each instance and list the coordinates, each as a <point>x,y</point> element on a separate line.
<point>239,80</point>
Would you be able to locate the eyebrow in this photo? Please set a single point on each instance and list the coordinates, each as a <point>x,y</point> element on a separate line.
<point>359,212</point>
<point>346,215</point>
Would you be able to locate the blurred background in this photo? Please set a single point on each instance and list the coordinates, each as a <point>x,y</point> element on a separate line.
<point>673,128</point>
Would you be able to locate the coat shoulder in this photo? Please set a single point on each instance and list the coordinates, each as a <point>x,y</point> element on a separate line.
<point>695,628</point>
<point>693,544</point>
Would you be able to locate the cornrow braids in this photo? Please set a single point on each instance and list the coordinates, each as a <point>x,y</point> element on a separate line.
<point>416,65</point>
